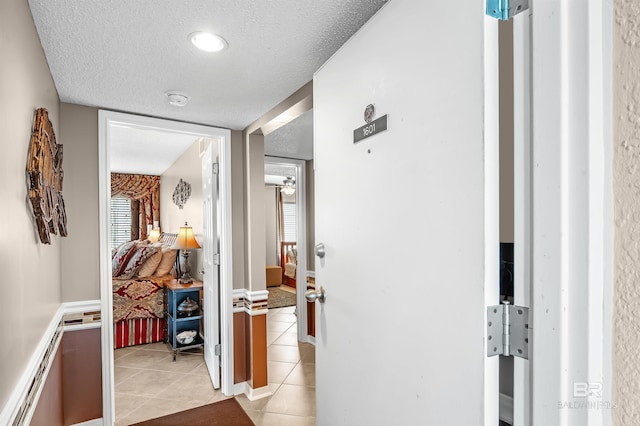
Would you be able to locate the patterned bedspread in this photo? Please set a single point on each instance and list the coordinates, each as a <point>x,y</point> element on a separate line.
<point>138,298</point>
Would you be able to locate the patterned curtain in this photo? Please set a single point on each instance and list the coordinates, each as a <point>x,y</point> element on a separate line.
<point>144,192</point>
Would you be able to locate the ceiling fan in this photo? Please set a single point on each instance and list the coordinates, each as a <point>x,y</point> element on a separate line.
<point>289,186</point>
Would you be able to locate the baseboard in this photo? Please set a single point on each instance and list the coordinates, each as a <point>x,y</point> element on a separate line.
<point>255,394</point>
<point>506,408</point>
<point>94,422</point>
<point>238,388</point>
<point>252,394</point>
<point>23,399</point>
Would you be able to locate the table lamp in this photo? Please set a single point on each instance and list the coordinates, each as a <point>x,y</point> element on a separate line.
<point>185,241</point>
<point>154,235</point>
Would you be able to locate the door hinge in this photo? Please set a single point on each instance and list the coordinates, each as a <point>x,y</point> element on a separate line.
<point>506,9</point>
<point>508,330</point>
<point>217,350</point>
<point>215,167</point>
<point>216,259</point>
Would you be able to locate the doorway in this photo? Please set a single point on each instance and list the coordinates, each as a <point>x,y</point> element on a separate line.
<point>108,123</point>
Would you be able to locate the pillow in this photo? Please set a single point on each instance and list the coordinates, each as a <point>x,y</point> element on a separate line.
<point>139,257</point>
<point>150,266</point>
<point>121,257</point>
<point>168,259</point>
<point>292,256</point>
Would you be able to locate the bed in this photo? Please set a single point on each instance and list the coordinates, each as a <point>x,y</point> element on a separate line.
<point>289,262</point>
<point>138,310</point>
<point>139,271</point>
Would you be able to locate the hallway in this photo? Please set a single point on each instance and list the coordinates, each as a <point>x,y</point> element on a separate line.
<point>291,376</point>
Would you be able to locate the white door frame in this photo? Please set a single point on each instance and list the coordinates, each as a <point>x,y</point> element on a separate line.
<point>301,243</point>
<point>107,119</point>
<point>522,202</point>
<point>572,210</point>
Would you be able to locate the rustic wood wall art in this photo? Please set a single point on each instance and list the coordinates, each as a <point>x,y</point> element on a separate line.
<point>181,194</point>
<point>44,179</point>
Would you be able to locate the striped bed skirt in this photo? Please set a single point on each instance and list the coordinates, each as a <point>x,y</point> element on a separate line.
<point>138,332</point>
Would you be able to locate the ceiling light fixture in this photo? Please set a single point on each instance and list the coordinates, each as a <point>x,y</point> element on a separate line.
<point>207,41</point>
<point>178,99</point>
<point>289,186</point>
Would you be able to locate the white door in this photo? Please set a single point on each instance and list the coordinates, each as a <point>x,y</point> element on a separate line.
<point>408,218</point>
<point>211,272</point>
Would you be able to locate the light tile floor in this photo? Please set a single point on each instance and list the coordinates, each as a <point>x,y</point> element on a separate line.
<point>149,384</point>
<point>292,376</point>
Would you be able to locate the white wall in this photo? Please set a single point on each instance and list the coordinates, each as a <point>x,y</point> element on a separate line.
<point>31,280</point>
<point>271,225</point>
<point>188,168</point>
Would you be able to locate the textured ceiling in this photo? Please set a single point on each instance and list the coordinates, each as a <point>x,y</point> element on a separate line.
<point>124,55</point>
<point>275,174</point>
<point>293,140</point>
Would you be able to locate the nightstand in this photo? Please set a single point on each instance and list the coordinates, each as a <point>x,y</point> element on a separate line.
<point>178,321</point>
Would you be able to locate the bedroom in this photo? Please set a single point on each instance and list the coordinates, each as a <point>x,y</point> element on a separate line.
<point>146,375</point>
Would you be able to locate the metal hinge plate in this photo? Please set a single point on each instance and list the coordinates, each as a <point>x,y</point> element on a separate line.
<point>217,350</point>
<point>215,167</point>
<point>506,9</point>
<point>216,259</point>
<point>508,331</point>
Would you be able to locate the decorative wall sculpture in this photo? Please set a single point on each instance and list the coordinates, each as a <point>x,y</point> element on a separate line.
<point>181,194</point>
<point>44,179</point>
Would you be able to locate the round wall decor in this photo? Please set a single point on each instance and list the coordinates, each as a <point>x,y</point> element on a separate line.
<point>181,194</point>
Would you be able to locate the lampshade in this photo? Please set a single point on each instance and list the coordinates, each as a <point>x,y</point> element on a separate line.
<point>185,239</point>
<point>154,235</point>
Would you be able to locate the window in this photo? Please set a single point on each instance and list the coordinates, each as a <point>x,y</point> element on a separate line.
<point>120,221</point>
<point>289,213</point>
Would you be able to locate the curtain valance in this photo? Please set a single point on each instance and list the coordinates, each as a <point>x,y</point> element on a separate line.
<point>133,186</point>
<point>144,192</point>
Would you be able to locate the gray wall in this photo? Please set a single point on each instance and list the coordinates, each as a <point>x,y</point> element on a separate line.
<point>271,225</point>
<point>31,281</point>
<point>237,207</point>
<point>253,214</point>
<point>311,217</point>
<point>255,278</point>
<point>187,167</point>
<point>80,259</point>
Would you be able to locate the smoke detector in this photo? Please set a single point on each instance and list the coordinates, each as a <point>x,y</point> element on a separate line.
<point>178,99</point>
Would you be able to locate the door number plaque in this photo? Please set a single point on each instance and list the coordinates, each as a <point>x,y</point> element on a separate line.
<point>376,126</point>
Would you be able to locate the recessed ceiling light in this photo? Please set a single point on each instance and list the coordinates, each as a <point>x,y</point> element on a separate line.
<point>207,41</point>
<point>178,99</point>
